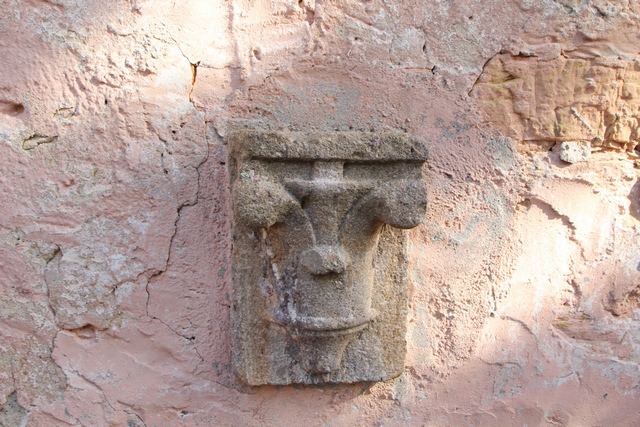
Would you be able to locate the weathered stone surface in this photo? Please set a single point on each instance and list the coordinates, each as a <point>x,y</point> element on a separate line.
<point>564,94</point>
<point>318,294</point>
<point>11,413</point>
<point>573,152</point>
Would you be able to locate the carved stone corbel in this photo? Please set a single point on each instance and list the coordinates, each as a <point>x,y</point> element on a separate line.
<point>319,293</point>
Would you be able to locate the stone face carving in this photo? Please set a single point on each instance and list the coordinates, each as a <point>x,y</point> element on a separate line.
<point>319,293</point>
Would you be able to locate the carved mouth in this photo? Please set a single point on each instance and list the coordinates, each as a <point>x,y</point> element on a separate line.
<point>322,341</point>
<point>322,326</point>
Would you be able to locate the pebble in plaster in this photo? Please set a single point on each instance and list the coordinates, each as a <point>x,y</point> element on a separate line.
<point>573,152</point>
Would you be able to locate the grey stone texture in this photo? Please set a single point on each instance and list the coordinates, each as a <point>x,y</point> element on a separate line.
<point>11,413</point>
<point>319,273</point>
<point>574,152</point>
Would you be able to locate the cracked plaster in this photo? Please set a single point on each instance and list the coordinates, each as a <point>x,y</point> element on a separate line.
<point>115,233</point>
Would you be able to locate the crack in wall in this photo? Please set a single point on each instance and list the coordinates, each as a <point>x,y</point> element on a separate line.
<point>194,71</point>
<point>482,73</point>
<point>133,414</point>
<point>102,392</point>
<point>171,242</point>
<point>191,340</point>
<point>57,256</point>
<point>194,75</point>
<point>521,323</point>
<point>552,211</point>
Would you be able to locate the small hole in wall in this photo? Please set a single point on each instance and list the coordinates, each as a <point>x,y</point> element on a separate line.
<point>11,108</point>
<point>87,331</point>
<point>524,205</point>
<point>223,163</point>
<point>470,18</point>
<point>105,101</point>
<point>304,203</point>
<point>424,48</point>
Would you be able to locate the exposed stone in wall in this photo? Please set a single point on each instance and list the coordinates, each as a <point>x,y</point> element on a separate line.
<point>11,413</point>
<point>552,93</point>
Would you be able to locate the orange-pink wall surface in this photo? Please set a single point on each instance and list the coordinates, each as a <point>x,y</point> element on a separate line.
<point>116,225</point>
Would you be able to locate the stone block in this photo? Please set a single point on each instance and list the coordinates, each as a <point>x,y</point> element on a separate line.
<point>319,273</point>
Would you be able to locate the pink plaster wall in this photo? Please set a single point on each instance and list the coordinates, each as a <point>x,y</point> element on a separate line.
<point>114,208</point>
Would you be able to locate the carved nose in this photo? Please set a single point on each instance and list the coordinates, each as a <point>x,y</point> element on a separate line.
<point>325,259</point>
